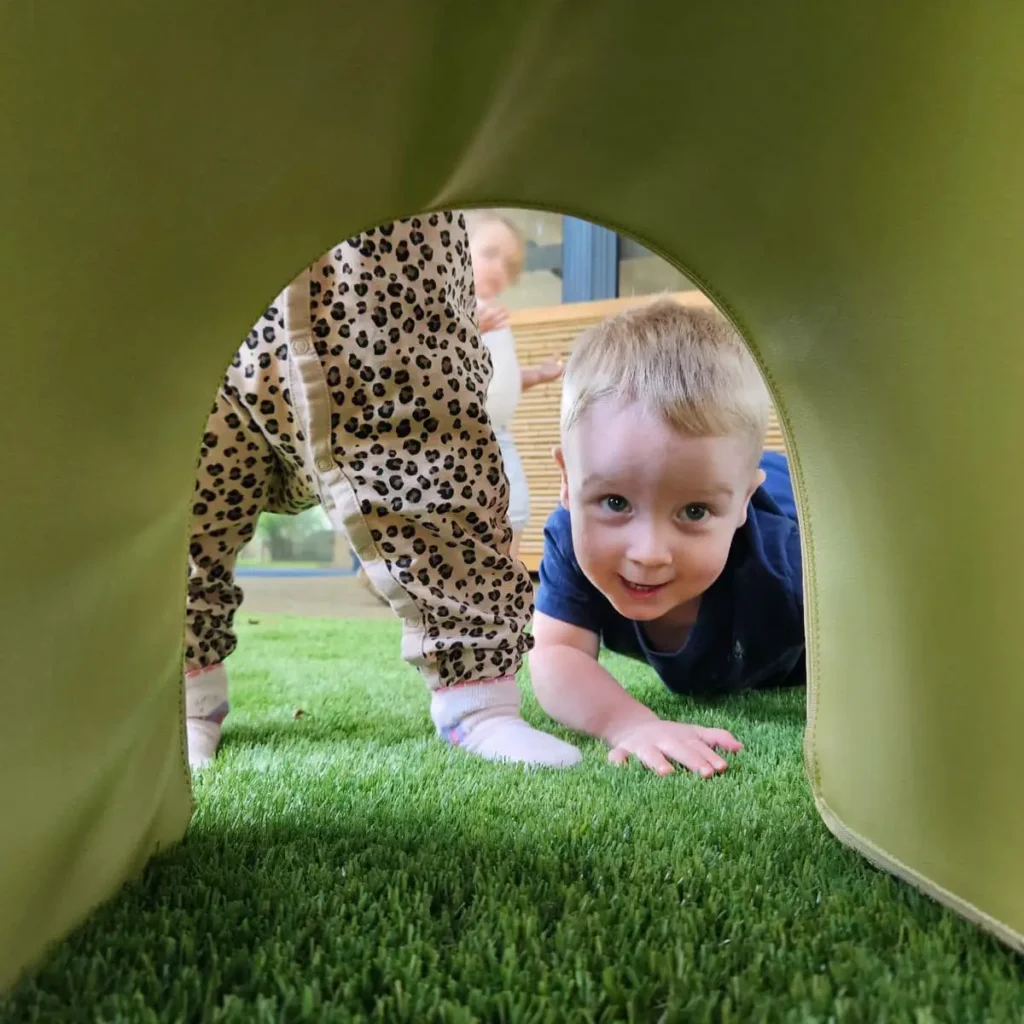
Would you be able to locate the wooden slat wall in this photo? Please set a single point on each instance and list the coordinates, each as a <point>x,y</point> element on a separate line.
<point>541,333</point>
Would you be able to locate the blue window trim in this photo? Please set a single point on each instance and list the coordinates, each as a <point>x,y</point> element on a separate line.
<point>590,261</point>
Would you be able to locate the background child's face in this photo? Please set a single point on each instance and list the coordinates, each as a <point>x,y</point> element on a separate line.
<point>495,252</point>
<point>653,511</point>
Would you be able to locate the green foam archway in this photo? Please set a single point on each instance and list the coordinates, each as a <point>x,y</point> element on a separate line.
<point>844,179</point>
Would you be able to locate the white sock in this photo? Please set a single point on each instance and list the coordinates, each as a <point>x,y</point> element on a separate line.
<point>206,707</point>
<point>484,719</point>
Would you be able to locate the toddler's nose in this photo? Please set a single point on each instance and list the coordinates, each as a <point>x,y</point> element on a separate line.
<point>647,548</point>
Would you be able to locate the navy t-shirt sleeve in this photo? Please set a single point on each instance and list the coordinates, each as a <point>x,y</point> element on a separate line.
<point>796,562</point>
<point>565,593</point>
<point>779,486</point>
<point>778,483</point>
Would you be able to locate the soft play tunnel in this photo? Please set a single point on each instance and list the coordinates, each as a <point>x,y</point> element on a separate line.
<point>844,179</point>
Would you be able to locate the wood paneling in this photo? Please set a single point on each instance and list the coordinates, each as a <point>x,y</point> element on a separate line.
<point>541,333</point>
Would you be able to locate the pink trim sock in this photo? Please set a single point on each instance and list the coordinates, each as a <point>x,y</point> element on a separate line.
<point>484,719</point>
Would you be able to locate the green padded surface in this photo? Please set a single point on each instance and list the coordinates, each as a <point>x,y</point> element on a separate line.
<point>843,178</point>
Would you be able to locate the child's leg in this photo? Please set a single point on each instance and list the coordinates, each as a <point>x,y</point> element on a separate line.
<point>410,468</point>
<point>518,488</point>
<point>238,476</point>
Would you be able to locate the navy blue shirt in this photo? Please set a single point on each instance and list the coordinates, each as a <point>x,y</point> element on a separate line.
<point>749,631</point>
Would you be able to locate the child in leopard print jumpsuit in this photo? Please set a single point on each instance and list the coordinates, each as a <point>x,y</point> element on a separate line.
<point>362,387</point>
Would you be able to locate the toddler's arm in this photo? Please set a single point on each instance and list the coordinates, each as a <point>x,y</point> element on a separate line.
<point>574,689</point>
<point>550,369</point>
<point>492,317</point>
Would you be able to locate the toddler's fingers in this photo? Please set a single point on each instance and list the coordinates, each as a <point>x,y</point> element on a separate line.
<point>720,738</point>
<point>490,317</point>
<point>618,755</point>
<point>702,761</point>
<point>649,756</point>
<point>696,756</point>
<point>712,756</point>
<point>654,759</point>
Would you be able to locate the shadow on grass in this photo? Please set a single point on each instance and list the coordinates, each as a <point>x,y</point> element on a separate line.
<point>407,913</point>
<point>325,728</point>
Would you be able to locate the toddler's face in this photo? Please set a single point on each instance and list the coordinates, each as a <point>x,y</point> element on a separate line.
<point>494,251</point>
<point>653,511</point>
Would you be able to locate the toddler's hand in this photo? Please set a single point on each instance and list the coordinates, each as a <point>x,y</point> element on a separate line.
<point>550,369</point>
<point>657,744</point>
<point>490,317</point>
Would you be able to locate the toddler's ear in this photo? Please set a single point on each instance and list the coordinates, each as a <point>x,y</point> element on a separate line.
<point>559,457</point>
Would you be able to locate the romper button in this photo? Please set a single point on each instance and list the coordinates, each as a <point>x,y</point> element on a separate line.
<point>324,464</point>
<point>300,347</point>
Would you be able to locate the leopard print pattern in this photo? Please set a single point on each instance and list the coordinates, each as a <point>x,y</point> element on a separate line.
<point>411,462</point>
<point>250,462</point>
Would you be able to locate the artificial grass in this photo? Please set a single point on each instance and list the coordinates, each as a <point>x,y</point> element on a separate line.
<point>345,865</point>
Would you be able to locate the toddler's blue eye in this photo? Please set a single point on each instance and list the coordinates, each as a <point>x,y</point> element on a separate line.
<point>696,513</point>
<point>616,503</point>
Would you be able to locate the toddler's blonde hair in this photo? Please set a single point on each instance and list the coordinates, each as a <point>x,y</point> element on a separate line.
<point>684,363</point>
<point>476,219</point>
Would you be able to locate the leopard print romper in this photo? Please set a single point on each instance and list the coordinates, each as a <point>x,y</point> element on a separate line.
<point>362,387</point>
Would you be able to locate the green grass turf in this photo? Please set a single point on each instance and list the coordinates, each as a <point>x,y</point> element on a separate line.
<point>345,865</point>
